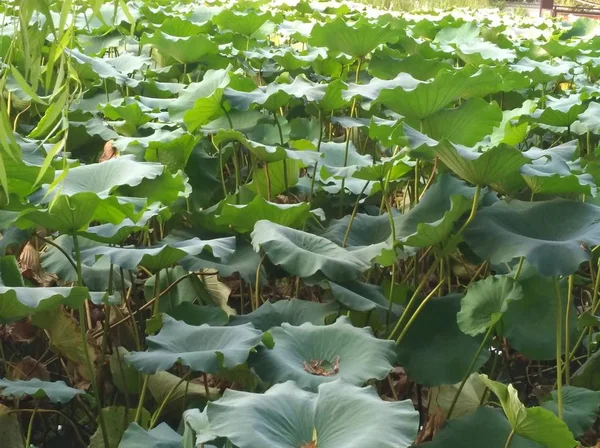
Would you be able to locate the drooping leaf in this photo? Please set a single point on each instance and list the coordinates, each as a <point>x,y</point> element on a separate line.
<point>55,391</point>
<point>580,408</point>
<point>19,302</point>
<point>160,437</point>
<point>202,348</point>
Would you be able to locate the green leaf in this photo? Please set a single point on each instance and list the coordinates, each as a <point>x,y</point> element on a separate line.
<point>311,355</point>
<point>304,254</point>
<point>338,415</point>
<point>55,391</point>
<point>293,312</point>
<point>19,302</point>
<point>357,39</point>
<point>203,348</point>
<point>554,236</point>
<point>116,421</point>
<point>160,437</point>
<point>488,168</point>
<point>50,116</point>
<point>536,423</point>
<point>468,401</point>
<point>580,408</point>
<point>10,274</point>
<point>588,374</point>
<point>432,220</point>
<point>529,324</point>
<point>10,428</point>
<point>434,351</point>
<point>486,427</point>
<point>485,302</point>
<point>124,376</point>
<point>160,256</point>
<point>183,49</point>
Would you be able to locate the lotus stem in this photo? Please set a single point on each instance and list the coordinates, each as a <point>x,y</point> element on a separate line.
<point>567,331</point>
<point>473,210</point>
<point>155,307</point>
<point>469,371</point>
<point>30,427</point>
<point>138,412</point>
<point>86,353</point>
<point>421,285</point>
<point>314,174</point>
<point>158,412</point>
<point>342,190</point>
<point>519,268</point>
<point>268,177</point>
<point>559,373</point>
<point>285,176</point>
<point>353,215</point>
<point>393,235</point>
<point>417,311</point>
<point>510,438</point>
<point>257,286</point>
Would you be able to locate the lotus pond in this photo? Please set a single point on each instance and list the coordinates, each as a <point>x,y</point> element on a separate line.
<point>295,224</point>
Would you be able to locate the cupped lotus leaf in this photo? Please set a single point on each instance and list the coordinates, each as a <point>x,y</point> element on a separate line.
<point>160,256</point>
<point>266,153</point>
<point>116,233</point>
<point>245,23</point>
<point>55,391</point>
<point>357,39</point>
<point>385,66</point>
<point>486,427</point>
<point>193,314</point>
<point>95,277</point>
<point>91,68</point>
<point>311,355</point>
<point>341,160</point>
<point>186,290</point>
<point>358,296</point>
<point>457,34</point>
<point>553,236</point>
<point>416,99</point>
<point>200,102</point>
<point>174,155</point>
<point>529,324</point>
<point>443,355</point>
<point>339,414</point>
<point>509,131</point>
<point>560,111</point>
<point>368,234</point>
<point>589,120</point>
<point>481,168</point>
<point>467,124</point>
<point>160,437</point>
<point>433,219</point>
<point>243,217</point>
<point>556,170</point>
<point>201,348</point>
<point>304,254</point>
<point>183,49</point>
<point>537,424</point>
<point>293,312</point>
<point>129,116</point>
<point>243,261</point>
<point>100,178</point>
<point>19,302</point>
<point>545,71</point>
<point>485,302</point>
<point>481,51</point>
<point>392,168</point>
<point>580,407</point>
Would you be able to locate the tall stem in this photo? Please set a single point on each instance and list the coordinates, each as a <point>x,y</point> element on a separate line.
<point>342,192</point>
<point>314,174</point>
<point>86,353</point>
<point>353,215</point>
<point>510,438</point>
<point>469,371</point>
<point>285,174</point>
<point>567,331</point>
<point>559,373</point>
<point>393,233</point>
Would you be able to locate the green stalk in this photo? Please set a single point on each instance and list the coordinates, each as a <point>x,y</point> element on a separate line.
<point>417,311</point>
<point>393,232</point>
<point>567,331</point>
<point>510,438</point>
<point>285,176</point>
<point>314,174</point>
<point>421,285</point>
<point>138,412</point>
<point>344,179</point>
<point>86,353</point>
<point>469,371</point>
<point>158,412</point>
<point>30,427</point>
<point>559,373</point>
<point>353,215</point>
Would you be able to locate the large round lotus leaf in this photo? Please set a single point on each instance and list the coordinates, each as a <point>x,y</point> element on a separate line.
<point>182,49</point>
<point>485,302</point>
<point>554,236</point>
<point>434,351</point>
<point>580,408</point>
<point>102,178</point>
<point>467,124</point>
<point>19,302</point>
<point>311,355</point>
<point>337,162</point>
<point>57,391</point>
<point>160,256</point>
<point>486,427</point>
<point>357,39</point>
<point>304,254</point>
<point>160,437</point>
<point>432,220</point>
<point>559,111</point>
<point>487,168</point>
<point>529,324</point>
<point>293,312</point>
<point>202,348</point>
<point>338,415</point>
